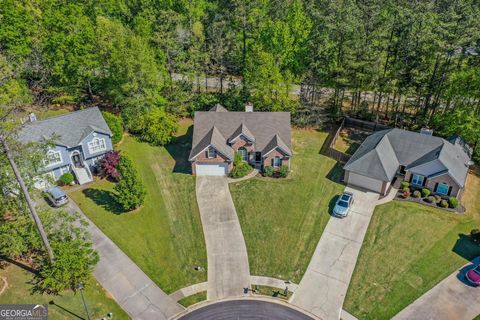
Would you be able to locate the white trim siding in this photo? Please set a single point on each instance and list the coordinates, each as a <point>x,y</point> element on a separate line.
<point>97,145</point>
<point>53,157</point>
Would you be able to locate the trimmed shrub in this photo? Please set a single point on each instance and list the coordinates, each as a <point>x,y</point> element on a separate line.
<point>431,199</point>
<point>268,171</point>
<point>284,171</point>
<point>453,202</point>
<point>130,192</point>
<point>426,192</point>
<point>444,204</point>
<point>237,159</point>
<point>158,127</point>
<point>66,178</point>
<point>240,170</point>
<point>404,184</point>
<point>437,198</point>
<point>406,189</point>
<point>416,194</point>
<point>109,164</point>
<point>406,193</point>
<point>116,126</point>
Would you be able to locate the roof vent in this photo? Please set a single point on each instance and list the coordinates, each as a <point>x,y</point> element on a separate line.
<point>32,117</point>
<point>426,131</point>
<point>248,107</point>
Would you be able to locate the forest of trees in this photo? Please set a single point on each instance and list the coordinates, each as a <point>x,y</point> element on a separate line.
<point>407,63</point>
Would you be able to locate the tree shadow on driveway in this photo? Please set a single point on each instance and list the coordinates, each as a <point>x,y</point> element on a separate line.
<point>468,250</point>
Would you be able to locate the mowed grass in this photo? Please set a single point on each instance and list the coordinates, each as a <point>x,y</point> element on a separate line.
<point>408,249</point>
<point>67,305</point>
<point>283,219</point>
<point>164,237</point>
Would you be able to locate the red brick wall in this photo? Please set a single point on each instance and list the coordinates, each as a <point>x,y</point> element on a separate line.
<point>202,158</point>
<point>241,142</point>
<point>267,161</point>
<point>430,184</point>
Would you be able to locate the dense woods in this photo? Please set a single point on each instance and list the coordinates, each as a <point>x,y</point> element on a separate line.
<point>405,63</point>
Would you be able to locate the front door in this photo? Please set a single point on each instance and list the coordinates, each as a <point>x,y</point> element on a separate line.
<point>77,162</point>
<point>258,156</point>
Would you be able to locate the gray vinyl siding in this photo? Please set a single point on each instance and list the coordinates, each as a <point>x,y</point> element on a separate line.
<point>86,153</point>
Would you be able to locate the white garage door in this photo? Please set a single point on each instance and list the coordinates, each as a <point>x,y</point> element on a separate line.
<point>211,169</point>
<point>365,182</point>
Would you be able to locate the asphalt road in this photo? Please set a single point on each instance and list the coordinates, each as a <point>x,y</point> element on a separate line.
<point>245,309</point>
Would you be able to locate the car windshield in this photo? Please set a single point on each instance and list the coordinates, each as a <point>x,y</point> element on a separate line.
<point>343,204</point>
<point>345,197</point>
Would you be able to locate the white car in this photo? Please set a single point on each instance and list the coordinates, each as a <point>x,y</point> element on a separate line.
<point>343,204</point>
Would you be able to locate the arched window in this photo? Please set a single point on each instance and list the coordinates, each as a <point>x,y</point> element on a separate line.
<point>97,145</point>
<point>244,153</point>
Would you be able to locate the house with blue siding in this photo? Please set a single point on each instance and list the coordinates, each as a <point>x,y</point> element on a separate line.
<point>79,138</point>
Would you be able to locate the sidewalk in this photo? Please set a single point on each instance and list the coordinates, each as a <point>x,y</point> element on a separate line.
<point>133,290</point>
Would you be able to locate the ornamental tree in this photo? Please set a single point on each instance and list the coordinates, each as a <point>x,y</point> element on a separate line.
<point>109,164</point>
<point>130,192</point>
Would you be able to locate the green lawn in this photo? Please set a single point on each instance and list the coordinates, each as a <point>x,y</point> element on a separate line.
<point>164,237</point>
<point>194,298</point>
<point>283,219</point>
<point>66,306</point>
<point>407,250</point>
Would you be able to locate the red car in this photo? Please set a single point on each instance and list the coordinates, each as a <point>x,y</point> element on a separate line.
<point>473,275</point>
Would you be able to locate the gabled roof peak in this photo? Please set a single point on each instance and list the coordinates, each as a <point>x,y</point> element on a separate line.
<point>242,130</point>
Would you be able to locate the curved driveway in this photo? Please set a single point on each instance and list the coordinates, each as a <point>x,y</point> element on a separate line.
<point>228,270</point>
<point>245,309</point>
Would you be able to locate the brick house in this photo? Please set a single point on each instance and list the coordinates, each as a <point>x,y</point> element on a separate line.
<point>422,159</point>
<point>261,138</point>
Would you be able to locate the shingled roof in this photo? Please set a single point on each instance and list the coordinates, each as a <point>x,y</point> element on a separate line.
<point>381,154</point>
<point>67,129</point>
<point>265,128</point>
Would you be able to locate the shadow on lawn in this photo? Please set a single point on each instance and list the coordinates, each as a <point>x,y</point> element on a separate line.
<point>104,199</point>
<point>179,149</point>
<point>331,204</point>
<point>336,173</point>
<point>466,248</point>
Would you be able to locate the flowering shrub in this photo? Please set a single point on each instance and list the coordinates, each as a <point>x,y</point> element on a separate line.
<point>109,164</point>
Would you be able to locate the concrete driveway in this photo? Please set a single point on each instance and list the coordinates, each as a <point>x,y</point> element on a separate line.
<point>323,288</point>
<point>453,298</point>
<point>228,270</point>
<point>133,290</point>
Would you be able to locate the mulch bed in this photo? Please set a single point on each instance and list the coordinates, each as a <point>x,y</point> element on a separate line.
<point>458,209</point>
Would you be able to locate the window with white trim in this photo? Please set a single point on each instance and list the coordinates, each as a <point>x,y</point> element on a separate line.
<point>53,157</point>
<point>97,145</point>
<point>442,188</point>
<point>211,153</point>
<point>277,162</point>
<point>244,153</point>
<point>417,180</point>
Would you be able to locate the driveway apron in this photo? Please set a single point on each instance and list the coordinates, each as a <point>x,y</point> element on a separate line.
<point>228,270</point>
<point>133,290</point>
<point>323,288</point>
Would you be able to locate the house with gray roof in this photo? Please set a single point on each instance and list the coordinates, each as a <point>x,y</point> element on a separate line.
<point>422,159</point>
<point>79,139</point>
<point>261,138</point>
